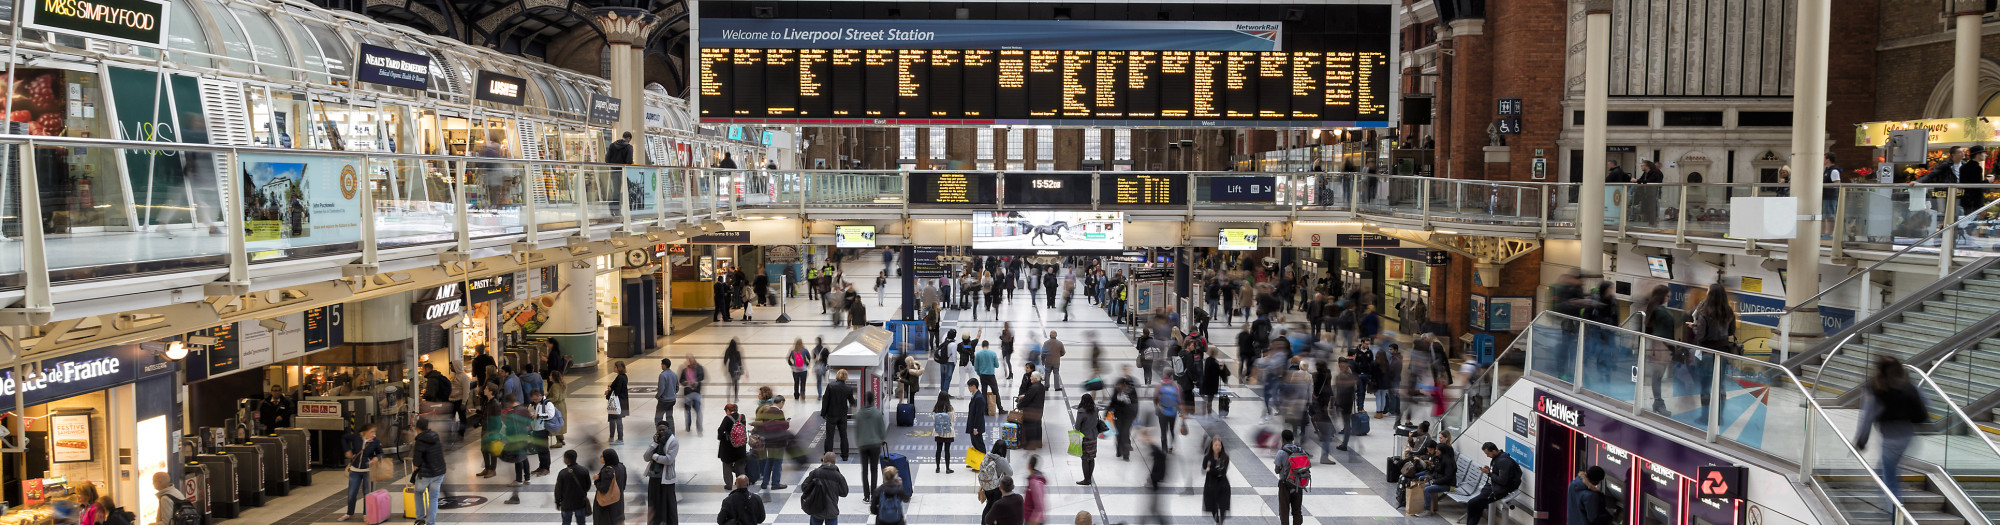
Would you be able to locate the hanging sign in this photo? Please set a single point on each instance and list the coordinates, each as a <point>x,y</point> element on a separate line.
<point>81,372</point>
<point>438,304</point>
<point>504,89</point>
<point>492,288</point>
<point>136,22</point>
<point>604,110</point>
<point>390,67</point>
<point>1243,189</point>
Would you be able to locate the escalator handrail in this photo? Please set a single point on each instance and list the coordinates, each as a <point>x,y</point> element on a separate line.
<point>1955,409</point>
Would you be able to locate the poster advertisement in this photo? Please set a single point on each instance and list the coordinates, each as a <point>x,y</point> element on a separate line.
<point>69,438</point>
<point>641,185</point>
<point>294,200</point>
<point>162,180</point>
<point>1478,312</point>
<point>1237,239</point>
<point>707,266</point>
<point>854,236</point>
<point>1048,230</point>
<point>253,344</point>
<point>39,101</point>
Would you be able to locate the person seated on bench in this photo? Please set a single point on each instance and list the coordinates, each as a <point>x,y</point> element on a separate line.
<point>1504,477</point>
<point>1442,476</point>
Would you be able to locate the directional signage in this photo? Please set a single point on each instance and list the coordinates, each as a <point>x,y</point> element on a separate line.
<point>1142,189</point>
<point>1243,189</point>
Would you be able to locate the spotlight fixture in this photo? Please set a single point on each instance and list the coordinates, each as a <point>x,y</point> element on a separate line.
<point>176,351</point>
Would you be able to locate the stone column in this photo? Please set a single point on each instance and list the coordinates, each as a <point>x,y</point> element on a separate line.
<point>1808,149</point>
<point>626,29</point>
<point>1069,149</point>
<point>572,322</point>
<point>1596,90</point>
<point>1965,59</point>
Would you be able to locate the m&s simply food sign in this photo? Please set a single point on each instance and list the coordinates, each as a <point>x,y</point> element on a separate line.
<point>137,22</point>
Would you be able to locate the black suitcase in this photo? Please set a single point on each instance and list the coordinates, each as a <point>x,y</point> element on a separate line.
<point>1395,470</point>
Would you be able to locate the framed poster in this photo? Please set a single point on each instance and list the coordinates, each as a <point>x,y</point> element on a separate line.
<point>69,438</point>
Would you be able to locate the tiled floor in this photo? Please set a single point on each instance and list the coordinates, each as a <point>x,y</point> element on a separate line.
<point>1351,492</point>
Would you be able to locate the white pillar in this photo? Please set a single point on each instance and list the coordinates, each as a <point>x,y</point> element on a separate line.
<point>635,107</point>
<point>1808,148</point>
<point>572,321</point>
<point>1965,60</point>
<point>1596,91</point>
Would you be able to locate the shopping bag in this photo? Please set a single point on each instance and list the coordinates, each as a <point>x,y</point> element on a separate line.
<point>973,458</point>
<point>1075,443</point>
<point>1414,497</point>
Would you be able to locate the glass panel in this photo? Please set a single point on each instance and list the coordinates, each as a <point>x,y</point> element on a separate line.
<point>1654,207</point>
<point>309,51</point>
<point>1554,351</point>
<point>1707,210</point>
<point>494,193</point>
<point>641,187</point>
<point>270,47</point>
<point>577,101</point>
<point>602,186</point>
<point>556,102</point>
<point>188,37</point>
<point>413,202</point>
<point>1760,408</point>
<point>234,44</point>
<point>555,196</point>
<point>333,50</point>
<point>1609,355</point>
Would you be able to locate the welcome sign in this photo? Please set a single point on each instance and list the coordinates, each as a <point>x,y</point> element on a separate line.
<point>136,22</point>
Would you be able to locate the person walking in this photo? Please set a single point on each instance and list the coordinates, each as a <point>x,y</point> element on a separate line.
<point>820,493</point>
<point>1007,345</point>
<point>732,443</point>
<point>975,416</point>
<point>992,471</point>
<point>1167,405</point>
<point>1052,355</point>
<point>572,497</point>
<point>490,428</point>
<point>1503,477</point>
<point>834,403</point>
<point>692,376</point>
<point>1215,480</point>
<point>1034,500</point>
<point>741,506</point>
<point>1658,321</point>
<point>427,471</point>
<point>775,435</point>
<point>1124,409</point>
<point>869,431</point>
<point>1009,510</point>
<point>821,355</point>
<point>618,398</point>
<point>1586,498</point>
<point>1087,422</point>
<point>1893,407</point>
<point>610,490</point>
<point>517,441</point>
<point>1290,495</point>
<point>941,430</point>
<point>361,451</point>
<point>890,499</point>
<point>800,361</point>
<point>667,391</point>
<point>732,363</point>
<point>661,506</point>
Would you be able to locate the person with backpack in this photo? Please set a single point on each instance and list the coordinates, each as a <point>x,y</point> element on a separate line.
<point>1167,402</point>
<point>799,361</point>
<point>741,506</point>
<point>890,499</point>
<point>175,509</point>
<point>1503,477</point>
<point>941,430</point>
<point>992,471</point>
<point>662,506</point>
<point>546,420</point>
<point>692,376</point>
<point>820,493</point>
<point>732,445</point>
<point>427,471</point>
<point>1294,469</point>
<point>1894,407</point>
<point>572,499</point>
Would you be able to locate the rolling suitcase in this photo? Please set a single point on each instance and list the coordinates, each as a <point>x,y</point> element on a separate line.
<point>1393,474</point>
<point>413,500</point>
<point>1010,432</point>
<point>906,415</point>
<point>902,464</point>
<point>376,507</point>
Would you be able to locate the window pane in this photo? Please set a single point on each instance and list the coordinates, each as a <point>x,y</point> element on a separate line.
<point>187,37</point>
<point>907,145</point>
<point>266,42</point>
<point>332,48</point>
<point>308,50</point>
<point>234,44</point>
<point>555,101</point>
<point>1122,139</point>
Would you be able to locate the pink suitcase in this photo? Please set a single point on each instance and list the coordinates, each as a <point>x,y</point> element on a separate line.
<point>376,507</point>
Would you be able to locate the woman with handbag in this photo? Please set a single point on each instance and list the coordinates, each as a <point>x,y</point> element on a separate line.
<point>1215,480</point>
<point>1093,428</point>
<point>1658,321</point>
<point>1712,325</point>
<point>618,401</point>
<point>361,450</point>
<point>610,491</point>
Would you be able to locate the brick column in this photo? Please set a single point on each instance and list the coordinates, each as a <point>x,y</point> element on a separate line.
<point>1069,149</point>
<point>1030,150</point>
<point>961,148</point>
<point>1462,144</point>
<point>923,148</point>
<point>1000,148</point>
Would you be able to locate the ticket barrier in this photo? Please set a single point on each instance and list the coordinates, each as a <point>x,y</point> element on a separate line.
<point>277,465</point>
<point>224,496</point>
<point>298,455</point>
<point>194,484</point>
<point>249,473</point>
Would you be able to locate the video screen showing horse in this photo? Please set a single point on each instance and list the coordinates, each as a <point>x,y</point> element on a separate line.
<point>1048,230</point>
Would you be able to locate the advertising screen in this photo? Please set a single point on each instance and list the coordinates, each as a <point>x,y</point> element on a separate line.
<point>1237,239</point>
<point>854,236</point>
<point>1661,267</point>
<point>1048,230</point>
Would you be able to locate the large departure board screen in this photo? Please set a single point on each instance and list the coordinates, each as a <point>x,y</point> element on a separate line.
<point>1142,189</point>
<point>1069,72</point>
<point>952,188</point>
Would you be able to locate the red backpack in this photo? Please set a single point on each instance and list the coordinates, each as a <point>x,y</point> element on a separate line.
<point>1298,470</point>
<point>737,435</point>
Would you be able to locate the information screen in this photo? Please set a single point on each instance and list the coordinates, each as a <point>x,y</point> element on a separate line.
<point>1048,188</point>
<point>1237,239</point>
<point>952,188</point>
<point>854,236</point>
<point>1142,189</point>
<point>1045,72</point>
<point>1031,230</point>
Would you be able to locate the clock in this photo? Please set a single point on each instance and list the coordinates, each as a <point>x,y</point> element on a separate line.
<point>636,258</point>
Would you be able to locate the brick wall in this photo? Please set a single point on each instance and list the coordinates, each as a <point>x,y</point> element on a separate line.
<point>1460,143</point>
<point>1528,39</point>
<point>1852,74</point>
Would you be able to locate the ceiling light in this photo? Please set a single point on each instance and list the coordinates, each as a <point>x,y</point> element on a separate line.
<point>176,351</point>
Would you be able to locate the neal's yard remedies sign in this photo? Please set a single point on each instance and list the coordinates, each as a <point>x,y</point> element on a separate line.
<point>504,89</point>
<point>603,109</point>
<point>390,67</point>
<point>137,22</point>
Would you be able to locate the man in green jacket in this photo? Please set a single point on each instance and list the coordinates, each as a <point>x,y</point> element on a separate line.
<point>868,433</point>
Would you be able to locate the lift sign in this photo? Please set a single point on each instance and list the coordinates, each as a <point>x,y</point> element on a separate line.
<point>136,22</point>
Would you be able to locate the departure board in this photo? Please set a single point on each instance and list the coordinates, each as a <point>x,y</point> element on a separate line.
<point>972,86</point>
<point>1042,188</point>
<point>1142,189</point>
<point>952,188</point>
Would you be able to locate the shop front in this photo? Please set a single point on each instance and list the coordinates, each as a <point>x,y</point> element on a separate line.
<point>628,301</point>
<point>1651,478</point>
<point>103,418</point>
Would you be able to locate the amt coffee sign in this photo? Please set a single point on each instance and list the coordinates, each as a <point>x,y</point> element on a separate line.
<point>137,22</point>
<point>438,304</point>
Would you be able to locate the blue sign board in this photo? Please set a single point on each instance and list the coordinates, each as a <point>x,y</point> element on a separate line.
<point>1243,189</point>
<point>84,372</point>
<point>390,67</point>
<point>1833,320</point>
<point>990,34</point>
<point>1524,454</point>
<point>1748,303</point>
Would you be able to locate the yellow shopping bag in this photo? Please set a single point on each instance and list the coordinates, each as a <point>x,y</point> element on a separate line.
<point>973,457</point>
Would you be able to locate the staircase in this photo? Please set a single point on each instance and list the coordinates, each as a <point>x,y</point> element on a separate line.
<point>1912,331</point>
<point>1860,500</point>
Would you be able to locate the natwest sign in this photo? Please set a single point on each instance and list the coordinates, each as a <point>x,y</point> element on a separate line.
<point>1558,410</point>
<point>438,304</point>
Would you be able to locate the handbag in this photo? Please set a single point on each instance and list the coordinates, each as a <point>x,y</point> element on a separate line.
<point>611,497</point>
<point>1014,417</point>
<point>381,472</point>
<point>613,406</point>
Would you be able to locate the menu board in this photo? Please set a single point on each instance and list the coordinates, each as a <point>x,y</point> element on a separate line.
<point>952,188</point>
<point>1142,189</point>
<point>1344,87</point>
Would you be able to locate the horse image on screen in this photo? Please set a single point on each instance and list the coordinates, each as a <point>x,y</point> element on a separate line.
<point>1048,230</point>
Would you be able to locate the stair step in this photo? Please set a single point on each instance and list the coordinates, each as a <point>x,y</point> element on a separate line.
<point>1972,298</point>
<point>1892,344</point>
<point>1917,331</point>
<point>1981,285</point>
<point>1941,320</point>
<point>1942,306</point>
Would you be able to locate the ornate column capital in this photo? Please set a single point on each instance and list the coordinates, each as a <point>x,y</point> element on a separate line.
<point>1968,7</point>
<point>1597,6</point>
<point>625,25</point>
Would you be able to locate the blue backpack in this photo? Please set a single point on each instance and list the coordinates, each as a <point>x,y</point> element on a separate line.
<point>890,510</point>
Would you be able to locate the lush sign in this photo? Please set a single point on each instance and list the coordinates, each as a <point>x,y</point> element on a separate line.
<point>137,22</point>
<point>390,67</point>
<point>504,89</point>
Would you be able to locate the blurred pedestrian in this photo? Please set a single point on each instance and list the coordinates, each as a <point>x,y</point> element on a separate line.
<point>1215,487</point>
<point>869,429</point>
<point>692,376</point>
<point>820,492</point>
<point>1087,422</point>
<point>992,472</point>
<point>1034,501</point>
<point>890,499</point>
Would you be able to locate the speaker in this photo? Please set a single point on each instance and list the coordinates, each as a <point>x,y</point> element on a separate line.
<point>1416,111</point>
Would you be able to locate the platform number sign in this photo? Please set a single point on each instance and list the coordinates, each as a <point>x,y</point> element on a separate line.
<point>1719,482</point>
